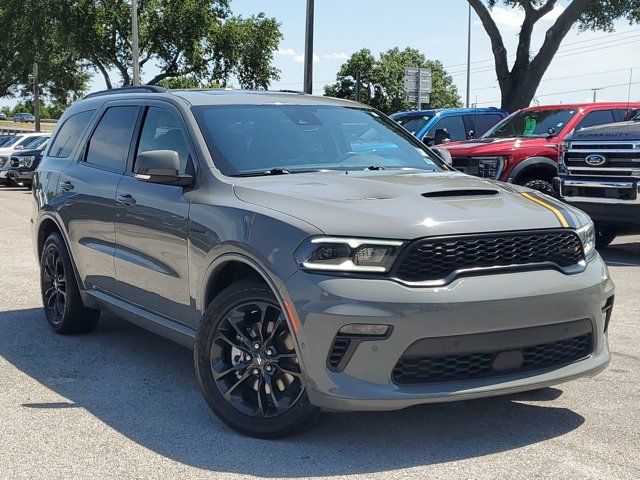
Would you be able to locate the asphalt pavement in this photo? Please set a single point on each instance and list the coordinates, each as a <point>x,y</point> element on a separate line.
<point>122,403</point>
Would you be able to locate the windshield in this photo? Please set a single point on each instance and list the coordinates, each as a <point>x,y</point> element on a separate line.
<point>246,139</point>
<point>5,141</point>
<point>531,123</point>
<point>37,142</point>
<point>26,141</point>
<point>413,123</point>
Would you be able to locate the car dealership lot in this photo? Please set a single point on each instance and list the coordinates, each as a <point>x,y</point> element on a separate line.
<point>123,403</point>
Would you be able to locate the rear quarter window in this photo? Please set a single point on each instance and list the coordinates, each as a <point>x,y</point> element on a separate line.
<point>69,134</point>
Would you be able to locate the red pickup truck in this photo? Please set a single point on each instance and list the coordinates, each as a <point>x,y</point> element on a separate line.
<point>523,148</point>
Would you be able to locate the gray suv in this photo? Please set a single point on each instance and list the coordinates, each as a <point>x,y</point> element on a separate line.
<point>312,253</point>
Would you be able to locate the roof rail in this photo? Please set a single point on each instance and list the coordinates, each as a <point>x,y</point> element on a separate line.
<point>292,91</point>
<point>140,89</point>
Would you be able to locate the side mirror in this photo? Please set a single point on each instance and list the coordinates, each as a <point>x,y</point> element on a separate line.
<point>427,140</point>
<point>551,132</point>
<point>444,154</point>
<point>161,166</point>
<point>471,135</point>
<point>441,136</point>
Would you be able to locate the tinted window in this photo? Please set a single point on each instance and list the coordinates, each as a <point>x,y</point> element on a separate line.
<point>531,123</point>
<point>27,140</point>
<point>109,144</point>
<point>36,142</point>
<point>162,131</point>
<point>484,122</point>
<point>599,117</point>
<point>69,134</point>
<point>249,139</point>
<point>413,123</point>
<point>454,125</point>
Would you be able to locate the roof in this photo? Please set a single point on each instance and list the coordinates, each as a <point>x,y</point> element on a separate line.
<point>575,106</point>
<point>463,111</point>
<point>223,96</point>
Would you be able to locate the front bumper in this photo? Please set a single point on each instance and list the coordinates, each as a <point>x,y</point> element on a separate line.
<point>612,203</point>
<point>468,306</point>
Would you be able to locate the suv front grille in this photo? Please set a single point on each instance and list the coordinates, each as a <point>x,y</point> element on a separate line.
<point>440,260</point>
<point>456,367</point>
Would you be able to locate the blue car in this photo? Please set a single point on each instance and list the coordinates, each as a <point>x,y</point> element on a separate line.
<point>434,127</point>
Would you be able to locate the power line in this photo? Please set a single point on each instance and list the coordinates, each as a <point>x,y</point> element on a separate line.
<point>572,91</point>
<point>635,30</point>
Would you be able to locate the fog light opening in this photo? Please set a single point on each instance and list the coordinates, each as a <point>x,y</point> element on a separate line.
<point>364,330</point>
<point>607,310</point>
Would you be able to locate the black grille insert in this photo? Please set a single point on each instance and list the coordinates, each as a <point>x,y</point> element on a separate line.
<point>441,367</point>
<point>438,260</point>
<point>338,351</point>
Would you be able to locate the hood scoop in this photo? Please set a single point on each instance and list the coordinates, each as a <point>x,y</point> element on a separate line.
<point>476,192</point>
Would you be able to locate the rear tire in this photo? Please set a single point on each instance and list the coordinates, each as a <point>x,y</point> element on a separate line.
<point>604,237</point>
<point>247,367</point>
<point>63,307</point>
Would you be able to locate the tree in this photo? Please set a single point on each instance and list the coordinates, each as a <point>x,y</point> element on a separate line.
<point>382,84</point>
<point>33,33</point>
<point>197,39</point>
<point>518,85</point>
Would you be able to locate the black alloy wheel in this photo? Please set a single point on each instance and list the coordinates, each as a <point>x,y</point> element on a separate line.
<point>247,365</point>
<point>54,285</point>
<point>253,360</point>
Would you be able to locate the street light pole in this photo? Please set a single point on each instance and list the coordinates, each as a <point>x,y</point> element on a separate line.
<point>134,43</point>
<point>308,50</point>
<point>595,93</point>
<point>469,59</point>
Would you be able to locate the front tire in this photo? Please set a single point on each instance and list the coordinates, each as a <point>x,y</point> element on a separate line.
<point>247,366</point>
<point>63,307</point>
<point>604,237</point>
<point>540,185</point>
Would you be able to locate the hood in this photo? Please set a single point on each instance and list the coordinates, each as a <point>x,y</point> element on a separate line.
<point>494,146</point>
<point>400,204</point>
<point>612,131</point>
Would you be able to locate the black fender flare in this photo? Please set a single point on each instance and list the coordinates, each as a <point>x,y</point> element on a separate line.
<point>531,162</point>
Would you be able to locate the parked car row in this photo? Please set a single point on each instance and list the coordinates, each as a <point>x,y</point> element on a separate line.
<point>20,155</point>
<point>520,149</point>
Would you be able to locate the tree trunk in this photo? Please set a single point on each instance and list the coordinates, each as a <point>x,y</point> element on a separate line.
<point>519,86</point>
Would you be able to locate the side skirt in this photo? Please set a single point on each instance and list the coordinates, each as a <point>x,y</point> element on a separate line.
<point>149,321</point>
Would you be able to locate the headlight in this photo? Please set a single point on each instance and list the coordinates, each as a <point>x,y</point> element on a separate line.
<point>491,167</point>
<point>27,161</point>
<point>562,166</point>
<point>347,254</point>
<point>587,235</point>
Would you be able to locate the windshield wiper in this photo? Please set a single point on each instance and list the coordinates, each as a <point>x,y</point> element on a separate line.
<point>265,173</point>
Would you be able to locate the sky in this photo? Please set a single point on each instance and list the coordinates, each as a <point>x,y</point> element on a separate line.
<point>438,28</point>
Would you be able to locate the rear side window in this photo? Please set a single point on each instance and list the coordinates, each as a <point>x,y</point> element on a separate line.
<point>109,144</point>
<point>69,134</point>
<point>454,125</point>
<point>484,122</point>
<point>596,118</point>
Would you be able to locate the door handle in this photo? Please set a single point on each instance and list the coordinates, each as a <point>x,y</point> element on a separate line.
<point>126,200</point>
<point>66,186</point>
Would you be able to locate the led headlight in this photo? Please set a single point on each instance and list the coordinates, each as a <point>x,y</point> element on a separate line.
<point>27,161</point>
<point>348,254</point>
<point>587,235</point>
<point>491,167</point>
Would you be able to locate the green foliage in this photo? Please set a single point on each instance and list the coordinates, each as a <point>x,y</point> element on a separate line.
<point>197,39</point>
<point>382,84</point>
<point>33,32</point>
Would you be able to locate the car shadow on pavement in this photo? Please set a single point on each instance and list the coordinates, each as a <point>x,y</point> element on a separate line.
<point>143,386</point>
<point>622,254</point>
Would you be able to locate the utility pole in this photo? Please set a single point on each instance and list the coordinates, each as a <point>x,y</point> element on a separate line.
<point>36,97</point>
<point>630,83</point>
<point>358,82</point>
<point>308,50</point>
<point>595,93</point>
<point>469,59</point>
<point>134,43</point>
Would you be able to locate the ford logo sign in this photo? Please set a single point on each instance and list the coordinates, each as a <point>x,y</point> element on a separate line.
<point>595,160</point>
